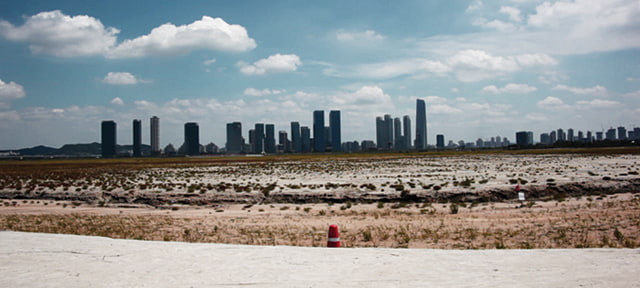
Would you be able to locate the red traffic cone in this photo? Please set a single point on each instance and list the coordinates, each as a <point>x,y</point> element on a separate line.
<point>334,236</point>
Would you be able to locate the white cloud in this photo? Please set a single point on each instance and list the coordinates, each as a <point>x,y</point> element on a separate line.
<point>513,12</point>
<point>57,34</point>
<point>169,39</point>
<point>553,103</point>
<point>474,6</point>
<point>11,91</point>
<point>597,103</point>
<point>258,93</point>
<point>117,101</point>
<point>596,90</point>
<point>477,65</point>
<point>509,88</point>
<point>443,109</point>
<point>120,78</point>
<point>368,35</point>
<point>277,63</point>
<point>209,62</point>
<point>634,94</point>
<point>363,99</point>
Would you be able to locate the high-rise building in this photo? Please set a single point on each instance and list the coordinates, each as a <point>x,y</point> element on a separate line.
<point>524,138</point>
<point>235,142</point>
<point>388,132</point>
<point>191,138</point>
<point>636,133</point>
<point>407,132</point>
<point>570,135</point>
<point>380,134</point>
<point>252,140</point>
<point>397,133</point>
<point>611,134</point>
<point>283,141</point>
<point>599,136</point>
<point>622,133</point>
<point>561,135</point>
<point>440,141</point>
<point>108,140</point>
<point>258,138</point>
<point>137,138</point>
<point>270,138</point>
<point>296,140</point>
<point>545,139</point>
<point>318,131</point>
<point>421,125</point>
<point>335,131</point>
<point>305,136</point>
<point>155,135</point>
<point>589,136</point>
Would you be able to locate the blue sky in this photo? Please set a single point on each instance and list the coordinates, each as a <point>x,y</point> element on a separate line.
<point>485,68</point>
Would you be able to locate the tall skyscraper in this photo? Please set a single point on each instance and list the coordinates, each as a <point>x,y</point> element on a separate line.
<point>252,140</point>
<point>270,138</point>
<point>562,136</point>
<point>397,133</point>
<point>440,141</point>
<point>407,132</point>
<point>380,134</point>
<point>305,138</point>
<point>137,138</point>
<point>421,125</point>
<point>235,143</point>
<point>318,131</point>
<point>108,139</point>
<point>283,141</point>
<point>258,138</point>
<point>622,133</point>
<point>335,131</point>
<point>155,135</point>
<point>296,140</point>
<point>192,138</point>
<point>388,131</point>
<point>524,138</point>
<point>570,135</point>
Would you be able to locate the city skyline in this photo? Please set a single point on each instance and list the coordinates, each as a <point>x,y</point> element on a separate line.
<point>484,68</point>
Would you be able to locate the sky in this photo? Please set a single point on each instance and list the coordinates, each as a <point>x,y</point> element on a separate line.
<point>484,68</point>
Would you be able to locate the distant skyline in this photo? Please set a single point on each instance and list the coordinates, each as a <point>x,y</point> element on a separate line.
<point>483,67</point>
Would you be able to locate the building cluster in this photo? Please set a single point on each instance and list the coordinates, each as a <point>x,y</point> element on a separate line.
<point>391,134</point>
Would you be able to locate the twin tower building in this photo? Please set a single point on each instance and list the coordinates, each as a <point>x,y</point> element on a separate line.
<point>262,139</point>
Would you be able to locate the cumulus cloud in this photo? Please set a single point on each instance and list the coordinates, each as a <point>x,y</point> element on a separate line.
<point>169,39</point>
<point>117,101</point>
<point>57,34</point>
<point>477,65</point>
<point>368,35</point>
<point>11,91</point>
<point>365,96</point>
<point>513,12</point>
<point>277,63</point>
<point>597,103</point>
<point>552,103</point>
<point>264,92</point>
<point>511,88</point>
<point>443,109</point>
<point>209,62</point>
<point>121,78</point>
<point>595,90</point>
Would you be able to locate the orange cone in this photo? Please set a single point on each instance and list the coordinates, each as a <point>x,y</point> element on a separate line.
<point>334,236</point>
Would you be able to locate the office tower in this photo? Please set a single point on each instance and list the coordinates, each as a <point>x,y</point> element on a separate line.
<point>580,136</point>
<point>155,135</point>
<point>191,138</point>
<point>479,143</point>
<point>335,131</point>
<point>611,134</point>
<point>421,125</point>
<point>524,138</point>
<point>258,138</point>
<point>636,133</point>
<point>270,138</point>
<point>529,138</point>
<point>545,139</point>
<point>407,132</point>
<point>235,143</point>
<point>553,137</point>
<point>108,139</point>
<point>296,140</point>
<point>440,141</point>
<point>561,135</point>
<point>252,140</point>
<point>283,141</point>
<point>599,136</point>
<point>622,133</point>
<point>305,139</point>
<point>589,136</point>
<point>380,133</point>
<point>397,133</point>
<point>388,132</point>
<point>137,138</point>
<point>570,135</point>
<point>318,131</point>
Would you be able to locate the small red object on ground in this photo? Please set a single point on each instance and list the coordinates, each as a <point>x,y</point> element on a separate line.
<point>518,188</point>
<point>334,236</point>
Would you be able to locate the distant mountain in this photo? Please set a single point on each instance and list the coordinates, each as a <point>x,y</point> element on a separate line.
<point>87,149</point>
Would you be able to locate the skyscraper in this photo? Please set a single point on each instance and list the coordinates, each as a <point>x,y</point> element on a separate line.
<point>388,131</point>
<point>155,135</point>
<point>137,138</point>
<point>235,143</point>
<point>192,138</point>
<point>305,138</point>
<point>270,139</point>
<point>570,135</point>
<point>296,140</point>
<point>258,138</point>
<point>318,131</point>
<point>334,127</point>
<point>380,133</point>
<point>108,139</point>
<point>407,132</point>
<point>397,133</point>
<point>622,133</point>
<point>440,141</point>
<point>421,125</point>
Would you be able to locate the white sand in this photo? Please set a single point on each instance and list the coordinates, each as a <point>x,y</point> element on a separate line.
<point>50,260</point>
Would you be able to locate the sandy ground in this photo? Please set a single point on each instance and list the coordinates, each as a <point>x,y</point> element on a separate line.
<point>50,260</point>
